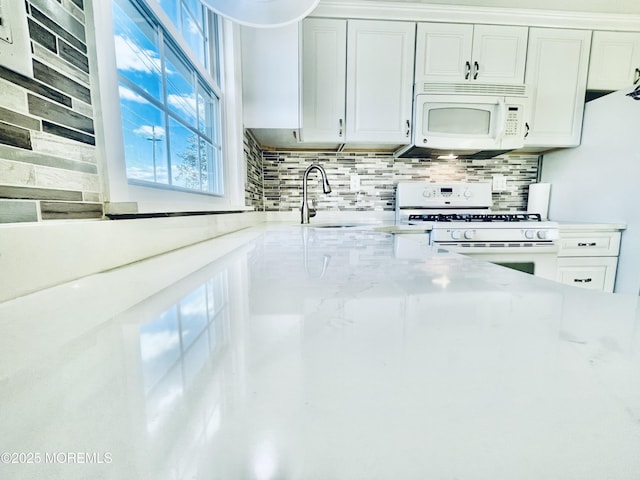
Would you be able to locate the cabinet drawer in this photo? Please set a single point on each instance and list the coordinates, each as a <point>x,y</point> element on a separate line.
<point>590,244</point>
<point>592,273</point>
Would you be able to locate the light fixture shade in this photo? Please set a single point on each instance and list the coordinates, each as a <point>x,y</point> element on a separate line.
<point>263,13</point>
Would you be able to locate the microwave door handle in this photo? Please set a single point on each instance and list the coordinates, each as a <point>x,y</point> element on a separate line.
<point>502,109</point>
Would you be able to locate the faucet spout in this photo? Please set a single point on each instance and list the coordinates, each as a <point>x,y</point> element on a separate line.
<point>307,212</point>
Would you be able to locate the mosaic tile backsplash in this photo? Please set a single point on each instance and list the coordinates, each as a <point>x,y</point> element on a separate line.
<point>378,173</point>
<point>254,187</point>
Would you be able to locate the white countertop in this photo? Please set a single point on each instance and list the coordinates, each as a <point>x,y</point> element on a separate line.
<point>314,353</point>
<point>592,227</point>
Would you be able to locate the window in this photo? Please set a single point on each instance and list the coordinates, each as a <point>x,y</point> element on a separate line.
<point>189,18</point>
<point>178,343</point>
<point>171,118</point>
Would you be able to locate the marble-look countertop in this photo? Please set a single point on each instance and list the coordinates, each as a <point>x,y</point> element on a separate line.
<point>566,226</point>
<point>290,352</point>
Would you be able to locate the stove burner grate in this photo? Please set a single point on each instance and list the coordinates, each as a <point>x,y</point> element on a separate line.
<point>476,217</point>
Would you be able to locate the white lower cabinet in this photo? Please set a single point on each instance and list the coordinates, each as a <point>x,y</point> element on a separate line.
<point>594,273</point>
<point>588,258</point>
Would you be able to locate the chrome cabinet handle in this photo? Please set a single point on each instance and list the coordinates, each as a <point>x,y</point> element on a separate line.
<point>590,244</point>
<point>468,72</point>
<point>582,280</point>
<point>636,78</point>
<point>476,70</point>
<point>408,132</point>
<point>340,127</point>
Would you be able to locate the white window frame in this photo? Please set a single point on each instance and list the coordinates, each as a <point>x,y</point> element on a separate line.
<point>120,195</point>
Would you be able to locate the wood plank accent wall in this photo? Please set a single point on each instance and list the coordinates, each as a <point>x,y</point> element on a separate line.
<point>48,166</point>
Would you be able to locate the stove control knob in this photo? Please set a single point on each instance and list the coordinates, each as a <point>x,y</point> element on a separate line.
<point>542,234</point>
<point>456,234</point>
<point>426,193</point>
<point>467,193</point>
<point>529,234</point>
<point>469,234</point>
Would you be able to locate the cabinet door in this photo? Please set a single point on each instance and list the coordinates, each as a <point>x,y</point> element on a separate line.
<point>379,81</point>
<point>323,80</point>
<point>499,54</point>
<point>447,52</point>
<point>589,244</point>
<point>593,273</point>
<point>615,60</point>
<point>557,63</point>
<point>270,84</point>
<point>443,52</point>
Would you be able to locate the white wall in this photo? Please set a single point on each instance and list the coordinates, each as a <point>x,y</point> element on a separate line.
<point>599,181</point>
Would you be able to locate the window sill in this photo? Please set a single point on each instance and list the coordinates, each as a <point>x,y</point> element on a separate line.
<point>133,215</point>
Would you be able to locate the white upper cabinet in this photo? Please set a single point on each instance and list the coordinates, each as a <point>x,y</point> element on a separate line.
<point>443,52</point>
<point>615,60</point>
<point>557,65</point>
<point>447,52</point>
<point>499,54</point>
<point>270,83</point>
<point>380,58</point>
<point>357,81</point>
<point>324,61</point>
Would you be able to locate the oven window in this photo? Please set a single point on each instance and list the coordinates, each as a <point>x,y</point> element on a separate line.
<point>457,120</point>
<point>526,267</point>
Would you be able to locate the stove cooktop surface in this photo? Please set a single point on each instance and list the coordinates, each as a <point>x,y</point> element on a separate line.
<point>475,217</point>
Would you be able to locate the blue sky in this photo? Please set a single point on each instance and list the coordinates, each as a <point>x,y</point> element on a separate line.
<point>144,129</point>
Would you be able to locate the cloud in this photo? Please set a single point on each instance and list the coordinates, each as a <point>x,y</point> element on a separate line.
<point>130,95</point>
<point>153,345</point>
<point>131,57</point>
<point>195,306</point>
<point>146,174</point>
<point>185,103</point>
<point>150,130</point>
<point>192,26</point>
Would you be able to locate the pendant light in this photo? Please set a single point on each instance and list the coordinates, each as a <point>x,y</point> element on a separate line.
<point>262,13</point>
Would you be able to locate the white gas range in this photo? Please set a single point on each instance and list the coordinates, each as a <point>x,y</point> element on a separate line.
<point>460,219</point>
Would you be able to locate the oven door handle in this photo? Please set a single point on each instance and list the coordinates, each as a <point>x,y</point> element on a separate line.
<point>549,249</point>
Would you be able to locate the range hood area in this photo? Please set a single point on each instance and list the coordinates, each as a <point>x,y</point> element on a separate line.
<point>476,121</point>
<point>413,151</point>
<point>274,139</point>
<point>286,139</point>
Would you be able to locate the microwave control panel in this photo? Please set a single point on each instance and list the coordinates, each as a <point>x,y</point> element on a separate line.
<point>514,118</point>
<point>512,121</point>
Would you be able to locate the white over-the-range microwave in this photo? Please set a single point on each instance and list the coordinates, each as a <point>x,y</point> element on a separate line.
<point>476,121</point>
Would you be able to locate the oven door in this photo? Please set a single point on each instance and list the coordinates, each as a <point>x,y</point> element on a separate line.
<point>541,261</point>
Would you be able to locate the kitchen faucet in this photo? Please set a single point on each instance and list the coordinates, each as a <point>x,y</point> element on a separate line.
<point>326,188</point>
